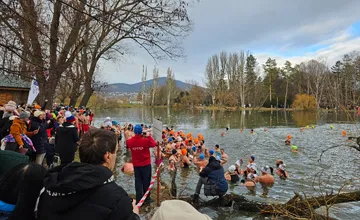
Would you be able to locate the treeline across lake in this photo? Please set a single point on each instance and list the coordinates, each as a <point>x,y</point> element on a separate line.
<point>238,80</point>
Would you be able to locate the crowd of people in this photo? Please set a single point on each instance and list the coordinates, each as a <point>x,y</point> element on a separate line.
<point>33,189</point>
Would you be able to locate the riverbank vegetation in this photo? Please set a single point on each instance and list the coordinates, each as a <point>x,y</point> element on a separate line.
<point>238,80</point>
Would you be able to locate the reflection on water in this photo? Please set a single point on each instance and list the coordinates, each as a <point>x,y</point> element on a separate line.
<point>205,119</point>
<point>339,164</point>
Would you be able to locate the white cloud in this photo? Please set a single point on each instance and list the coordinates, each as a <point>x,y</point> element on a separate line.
<point>268,28</point>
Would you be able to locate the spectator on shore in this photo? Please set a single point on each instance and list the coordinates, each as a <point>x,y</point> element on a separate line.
<point>66,139</point>
<point>140,151</point>
<point>39,140</point>
<point>19,189</point>
<point>87,190</point>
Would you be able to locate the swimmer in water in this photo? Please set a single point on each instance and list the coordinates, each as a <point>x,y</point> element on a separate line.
<point>223,133</point>
<point>266,177</point>
<point>238,170</point>
<point>249,181</point>
<point>281,172</point>
<point>224,157</point>
<point>241,130</point>
<point>231,175</point>
<point>294,148</point>
<point>173,160</point>
<point>287,142</point>
<point>201,162</point>
<point>128,167</point>
<point>252,131</point>
<point>185,161</point>
<point>217,150</point>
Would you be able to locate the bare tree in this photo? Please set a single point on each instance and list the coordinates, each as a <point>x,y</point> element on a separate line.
<point>143,80</point>
<point>242,77</point>
<point>170,85</point>
<point>155,85</point>
<point>212,80</point>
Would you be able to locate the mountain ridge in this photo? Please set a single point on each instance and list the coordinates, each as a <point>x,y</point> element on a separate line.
<point>136,87</point>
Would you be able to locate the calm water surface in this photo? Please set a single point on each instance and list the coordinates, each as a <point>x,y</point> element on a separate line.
<point>338,166</point>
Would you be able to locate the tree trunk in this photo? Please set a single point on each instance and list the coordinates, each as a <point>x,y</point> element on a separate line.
<point>168,98</point>
<point>88,93</point>
<point>153,97</point>
<point>286,93</point>
<point>213,99</point>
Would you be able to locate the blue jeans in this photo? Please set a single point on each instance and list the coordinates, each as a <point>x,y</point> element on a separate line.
<point>142,181</point>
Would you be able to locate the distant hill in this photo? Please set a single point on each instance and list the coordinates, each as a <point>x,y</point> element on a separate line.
<point>136,87</point>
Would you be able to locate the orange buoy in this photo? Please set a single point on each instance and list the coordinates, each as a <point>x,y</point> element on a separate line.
<point>343,133</point>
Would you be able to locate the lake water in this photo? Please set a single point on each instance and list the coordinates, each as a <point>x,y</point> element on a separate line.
<point>338,166</point>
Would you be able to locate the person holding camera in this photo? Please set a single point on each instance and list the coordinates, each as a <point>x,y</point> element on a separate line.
<point>139,146</point>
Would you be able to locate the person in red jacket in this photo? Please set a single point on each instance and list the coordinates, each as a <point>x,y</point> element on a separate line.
<point>139,146</point>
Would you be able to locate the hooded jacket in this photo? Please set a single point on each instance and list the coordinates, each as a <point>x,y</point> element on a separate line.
<point>83,191</point>
<point>40,140</point>
<point>215,173</point>
<point>19,127</point>
<point>65,138</point>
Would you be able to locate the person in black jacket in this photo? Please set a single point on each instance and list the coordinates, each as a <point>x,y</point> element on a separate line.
<point>212,174</point>
<point>66,139</point>
<point>87,190</point>
<point>40,140</point>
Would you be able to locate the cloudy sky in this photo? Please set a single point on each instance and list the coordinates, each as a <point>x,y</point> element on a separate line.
<point>295,30</point>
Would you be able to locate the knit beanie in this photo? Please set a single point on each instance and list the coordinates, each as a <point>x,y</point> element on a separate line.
<point>138,129</point>
<point>37,113</point>
<point>24,114</point>
<point>70,119</point>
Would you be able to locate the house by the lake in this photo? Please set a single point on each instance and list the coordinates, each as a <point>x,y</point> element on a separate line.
<point>13,88</point>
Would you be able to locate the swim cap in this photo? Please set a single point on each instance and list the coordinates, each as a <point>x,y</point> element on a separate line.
<point>211,152</point>
<point>138,129</point>
<point>183,152</point>
<point>108,124</point>
<point>251,176</point>
<point>115,123</point>
<point>237,162</point>
<point>193,148</point>
<point>202,157</point>
<point>173,151</point>
<point>282,167</point>
<point>232,168</point>
<point>251,166</point>
<point>170,139</point>
<point>293,147</point>
<point>252,157</point>
<point>265,169</point>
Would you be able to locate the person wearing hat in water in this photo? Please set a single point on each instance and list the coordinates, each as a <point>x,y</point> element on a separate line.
<point>185,161</point>
<point>201,162</point>
<point>266,177</point>
<point>287,142</point>
<point>282,172</point>
<point>140,152</point>
<point>231,175</point>
<point>249,182</point>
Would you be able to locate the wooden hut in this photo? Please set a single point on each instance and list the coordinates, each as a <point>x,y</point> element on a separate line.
<point>13,88</point>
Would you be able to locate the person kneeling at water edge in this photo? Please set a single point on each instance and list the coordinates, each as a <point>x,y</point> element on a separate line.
<point>212,177</point>
<point>87,190</point>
